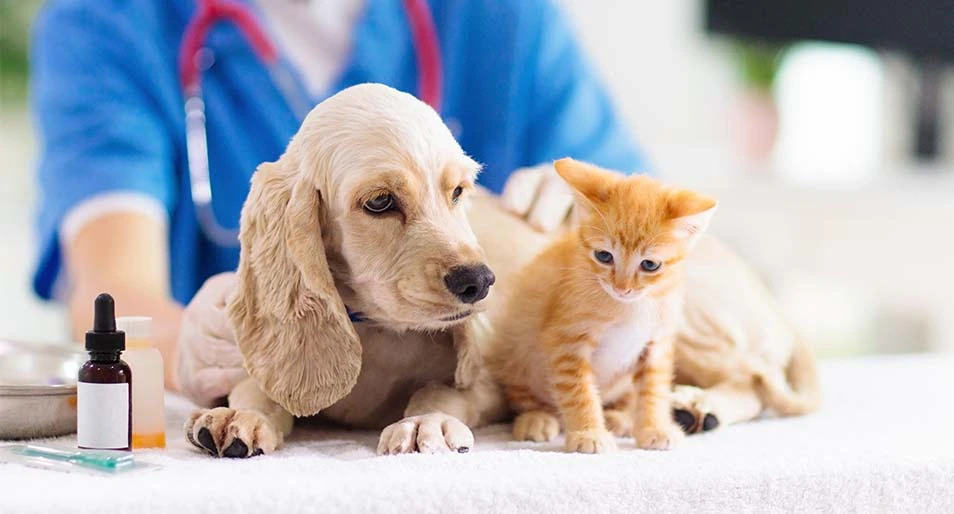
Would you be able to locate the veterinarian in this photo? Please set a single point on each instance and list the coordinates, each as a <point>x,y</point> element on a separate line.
<point>140,203</point>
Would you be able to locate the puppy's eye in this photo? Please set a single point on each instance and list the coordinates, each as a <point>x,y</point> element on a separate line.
<point>379,204</point>
<point>456,194</point>
<point>603,256</point>
<point>650,265</point>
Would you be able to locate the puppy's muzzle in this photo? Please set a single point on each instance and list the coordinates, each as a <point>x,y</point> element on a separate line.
<point>470,284</point>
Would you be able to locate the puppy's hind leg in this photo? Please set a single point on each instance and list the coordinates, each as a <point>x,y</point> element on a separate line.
<point>251,425</point>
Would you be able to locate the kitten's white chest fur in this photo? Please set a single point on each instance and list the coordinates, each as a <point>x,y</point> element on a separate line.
<point>619,346</point>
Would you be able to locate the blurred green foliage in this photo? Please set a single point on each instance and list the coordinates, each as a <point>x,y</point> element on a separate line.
<point>16,17</point>
<point>759,63</point>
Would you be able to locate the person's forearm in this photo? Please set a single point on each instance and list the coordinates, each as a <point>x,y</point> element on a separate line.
<point>127,256</point>
<point>165,313</point>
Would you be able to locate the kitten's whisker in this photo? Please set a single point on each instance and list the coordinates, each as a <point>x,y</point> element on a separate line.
<point>596,228</point>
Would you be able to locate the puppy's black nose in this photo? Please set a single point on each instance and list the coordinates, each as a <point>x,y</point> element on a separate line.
<point>470,284</point>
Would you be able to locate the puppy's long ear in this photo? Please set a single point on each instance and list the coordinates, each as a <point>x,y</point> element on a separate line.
<point>289,321</point>
<point>468,340</point>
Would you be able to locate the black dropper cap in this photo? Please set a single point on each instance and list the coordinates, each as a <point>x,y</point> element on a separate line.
<point>104,338</point>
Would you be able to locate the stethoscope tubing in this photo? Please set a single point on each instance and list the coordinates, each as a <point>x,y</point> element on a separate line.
<point>210,12</point>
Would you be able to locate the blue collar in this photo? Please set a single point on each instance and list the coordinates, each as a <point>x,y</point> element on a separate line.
<point>355,317</point>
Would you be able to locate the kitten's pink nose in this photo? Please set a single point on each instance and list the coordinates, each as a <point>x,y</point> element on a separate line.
<point>623,292</point>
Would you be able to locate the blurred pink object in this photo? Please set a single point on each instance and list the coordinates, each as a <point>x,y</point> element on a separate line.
<point>757,124</point>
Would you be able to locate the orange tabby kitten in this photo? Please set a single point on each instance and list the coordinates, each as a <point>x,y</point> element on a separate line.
<point>589,322</point>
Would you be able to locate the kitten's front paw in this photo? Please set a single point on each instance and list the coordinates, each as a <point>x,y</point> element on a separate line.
<point>663,437</point>
<point>590,441</point>
<point>537,426</point>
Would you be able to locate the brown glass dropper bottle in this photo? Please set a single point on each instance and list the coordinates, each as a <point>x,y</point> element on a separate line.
<point>104,392</point>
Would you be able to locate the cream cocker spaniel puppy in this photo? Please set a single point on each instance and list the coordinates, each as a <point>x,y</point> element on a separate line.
<point>360,285</point>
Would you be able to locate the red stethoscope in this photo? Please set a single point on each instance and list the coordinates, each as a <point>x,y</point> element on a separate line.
<point>191,57</point>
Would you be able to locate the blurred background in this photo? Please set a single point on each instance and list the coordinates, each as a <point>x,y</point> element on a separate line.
<point>826,129</point>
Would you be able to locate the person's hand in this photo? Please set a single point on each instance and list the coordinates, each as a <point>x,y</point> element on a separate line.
<point>210,363</point>
<point>538,195</point>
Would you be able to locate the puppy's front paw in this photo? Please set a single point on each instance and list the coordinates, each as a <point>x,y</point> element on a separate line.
<point>427,433</point>
<point>663,437</point>
<point>691,410</point>
<point>590,441</point>
<point>537,426</point>
<point>224,432</point>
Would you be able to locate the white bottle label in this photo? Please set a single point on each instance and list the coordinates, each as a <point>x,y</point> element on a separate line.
<point>102,415</point>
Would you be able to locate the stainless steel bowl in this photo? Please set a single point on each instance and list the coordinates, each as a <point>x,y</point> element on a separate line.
<point>37,389</point>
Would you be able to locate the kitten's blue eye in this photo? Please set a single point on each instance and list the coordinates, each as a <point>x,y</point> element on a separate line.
<point>603,256</point>
<point>650,265</point>
<point>455,196</point>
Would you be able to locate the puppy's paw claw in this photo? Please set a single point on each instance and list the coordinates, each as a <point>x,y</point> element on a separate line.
<point>230,433</point>
<point>237,450</point>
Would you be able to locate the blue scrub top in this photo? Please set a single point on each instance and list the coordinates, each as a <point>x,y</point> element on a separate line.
<point>109,108</point>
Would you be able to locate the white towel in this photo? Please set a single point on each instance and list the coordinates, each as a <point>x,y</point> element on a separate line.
<point>883,442</point>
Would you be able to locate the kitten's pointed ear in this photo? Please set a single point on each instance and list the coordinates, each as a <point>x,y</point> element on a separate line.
<point>588,180</point>
<point>690,213</point>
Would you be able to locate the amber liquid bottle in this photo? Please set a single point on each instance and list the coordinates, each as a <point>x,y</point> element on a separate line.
<point>104,389</point>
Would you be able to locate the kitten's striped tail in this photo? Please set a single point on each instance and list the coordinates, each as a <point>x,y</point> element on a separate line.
<point>797,392</point>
